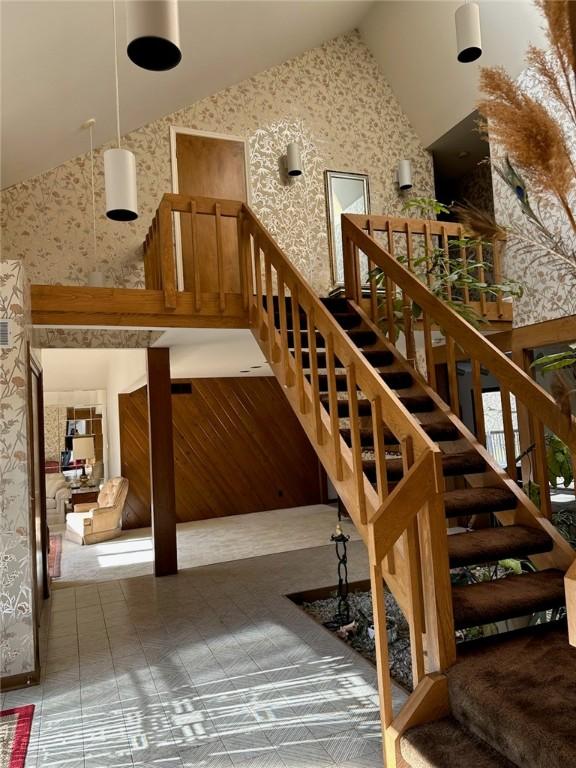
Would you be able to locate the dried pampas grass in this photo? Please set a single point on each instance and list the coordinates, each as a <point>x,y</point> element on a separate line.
<point>529,133</point>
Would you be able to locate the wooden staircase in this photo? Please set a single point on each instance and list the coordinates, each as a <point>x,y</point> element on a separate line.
<point>408,469</point>
<point>386,425</point>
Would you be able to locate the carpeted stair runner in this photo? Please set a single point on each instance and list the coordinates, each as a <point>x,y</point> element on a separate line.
<point>445,744</point>
<point>489,601</point>
<point>394,379</point>
<point>413,403</point>
<point>438,430</point>
<point>517,693</point>
<point>511,696</point>
<point>475,501</point>
<point>465,463</point>
<point>488,545</point>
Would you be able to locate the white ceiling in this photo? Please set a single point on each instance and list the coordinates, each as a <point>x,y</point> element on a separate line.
<point>57,66</point>
<point>414,43</point>
<point>195,353</point>
<point>213,352</point>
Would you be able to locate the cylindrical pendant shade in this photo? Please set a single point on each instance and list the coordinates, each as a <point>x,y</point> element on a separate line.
<point>468,34</point>
<point>120,182</point>
<point>153,34</point>
<point>293,160</point>
<point>404,175</point>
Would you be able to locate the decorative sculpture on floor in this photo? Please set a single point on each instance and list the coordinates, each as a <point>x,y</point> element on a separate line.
<point>342,618</point>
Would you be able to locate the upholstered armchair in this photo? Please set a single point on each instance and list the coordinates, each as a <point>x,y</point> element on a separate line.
<point>57,494</point>
<point>92,523</point>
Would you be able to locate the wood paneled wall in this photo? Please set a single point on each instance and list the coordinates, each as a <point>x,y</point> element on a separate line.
<point>238,448</point>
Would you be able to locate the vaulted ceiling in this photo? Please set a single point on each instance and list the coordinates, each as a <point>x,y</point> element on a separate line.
<point>57,63</point>
<point>58,69</point>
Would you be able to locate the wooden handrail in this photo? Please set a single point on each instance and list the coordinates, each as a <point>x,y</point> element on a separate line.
<point>399,418</point>
<point>404,527</point>
<point>525,389</point>
<point>428,248</point>
<point>570,589</point>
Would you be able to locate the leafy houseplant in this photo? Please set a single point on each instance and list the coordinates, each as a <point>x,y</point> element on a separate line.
<point>559,461</point>
<point>446,272</point>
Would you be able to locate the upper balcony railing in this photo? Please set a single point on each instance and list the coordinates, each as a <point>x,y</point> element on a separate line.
<point>192,246</point>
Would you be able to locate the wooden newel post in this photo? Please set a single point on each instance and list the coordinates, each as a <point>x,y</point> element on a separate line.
<point>348,256</point>
<point>162,479</point>
<point>167,263</point>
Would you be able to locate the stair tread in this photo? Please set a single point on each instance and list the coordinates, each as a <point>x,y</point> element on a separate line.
<point>491,544</point>
<point>518,693</point>
<point>439,430</point>
<point>413,403</point>
<point>395,379</point>
<point>513,596</point>
<point>376,357</point>
<point>463,463</point>
<point>446,744</point>
<point>472,501</point>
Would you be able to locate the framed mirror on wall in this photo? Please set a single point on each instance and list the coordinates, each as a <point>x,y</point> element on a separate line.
<point>345,193</point>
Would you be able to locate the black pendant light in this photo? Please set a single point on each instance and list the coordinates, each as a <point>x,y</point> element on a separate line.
<point>153,34</point>
<point>119,163</point>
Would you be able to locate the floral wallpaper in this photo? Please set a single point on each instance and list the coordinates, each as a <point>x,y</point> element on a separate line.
<point>86,338</point>
<point>54,431</point>
<point>16,627</point>
<point>332,100</point>
<point>548,292</point>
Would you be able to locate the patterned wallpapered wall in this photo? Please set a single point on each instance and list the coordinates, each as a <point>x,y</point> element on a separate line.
<point>549,292</point>
<point>332,100</point>
<point>86,338</point>
<point>54,431</point>
<point>16,627</point>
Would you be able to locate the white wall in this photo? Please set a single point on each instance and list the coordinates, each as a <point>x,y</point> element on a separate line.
<point>66,370</point>
<point>414,43</point>
<point>71,375</point>
<point>127,372</point>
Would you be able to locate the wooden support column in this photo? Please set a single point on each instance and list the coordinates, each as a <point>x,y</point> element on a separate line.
<point>162,485</point>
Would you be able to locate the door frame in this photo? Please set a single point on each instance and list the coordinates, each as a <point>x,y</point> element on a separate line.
<point>174,131</point>
<point>35,380</point>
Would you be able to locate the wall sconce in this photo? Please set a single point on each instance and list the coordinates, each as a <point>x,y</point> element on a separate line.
<point>293,160</point>
<point>468,33</point>
<point>404,175</point>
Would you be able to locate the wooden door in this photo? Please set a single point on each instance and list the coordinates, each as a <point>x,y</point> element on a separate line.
<point>210,167</point>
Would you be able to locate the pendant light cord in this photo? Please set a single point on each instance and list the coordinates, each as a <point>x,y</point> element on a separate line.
<point>93,193</point>
<point>116,73</point>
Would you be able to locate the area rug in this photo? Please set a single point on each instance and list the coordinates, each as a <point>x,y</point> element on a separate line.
<point>15,726</point>
<point>54,557</point>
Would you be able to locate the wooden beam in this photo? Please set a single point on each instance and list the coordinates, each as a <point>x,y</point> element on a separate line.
<point>162,484</point>
<point>66,305</point>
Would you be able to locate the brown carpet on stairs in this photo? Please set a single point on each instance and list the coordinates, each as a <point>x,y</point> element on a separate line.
<point>445,744</point>
<point>507,598</point>
<point>474,501</point>
<point>453,464</point>
<point>519,694</point>
<point>492,544</point>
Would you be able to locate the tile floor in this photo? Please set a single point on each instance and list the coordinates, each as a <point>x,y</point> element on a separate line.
<point>212,668</point>
<point>203,542</point>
